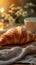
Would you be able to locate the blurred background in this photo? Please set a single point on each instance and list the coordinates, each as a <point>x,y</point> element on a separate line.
<point>6,3</point>
<point>13,12</point>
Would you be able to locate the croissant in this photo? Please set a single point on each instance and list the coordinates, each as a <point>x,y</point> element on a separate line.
<point>18,35</point>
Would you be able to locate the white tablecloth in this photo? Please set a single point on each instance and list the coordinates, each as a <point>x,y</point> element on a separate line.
<point>18,55</point>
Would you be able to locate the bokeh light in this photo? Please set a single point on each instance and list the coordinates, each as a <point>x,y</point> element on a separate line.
<point>5,4</point>
<point>2,10</point>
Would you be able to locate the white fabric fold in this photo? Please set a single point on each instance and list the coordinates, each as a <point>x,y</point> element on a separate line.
<point>18,55</point>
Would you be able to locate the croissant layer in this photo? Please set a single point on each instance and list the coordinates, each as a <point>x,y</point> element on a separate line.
<point>18,35</point>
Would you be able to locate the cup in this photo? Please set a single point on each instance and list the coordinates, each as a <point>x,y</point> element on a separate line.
<point>30,24</point>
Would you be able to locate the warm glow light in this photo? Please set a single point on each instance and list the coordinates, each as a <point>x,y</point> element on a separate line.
<point>5,4</point>
<point>2,10</point>
<point>1,29</point>
<point>1,26</point>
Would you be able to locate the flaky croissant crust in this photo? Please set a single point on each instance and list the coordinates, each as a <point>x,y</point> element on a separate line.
<point>17,35</point>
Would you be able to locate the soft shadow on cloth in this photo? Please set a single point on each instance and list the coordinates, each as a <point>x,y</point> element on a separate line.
<point>18,54</point>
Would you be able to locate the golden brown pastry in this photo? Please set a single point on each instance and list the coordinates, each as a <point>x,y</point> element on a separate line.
<point>18,35</point>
